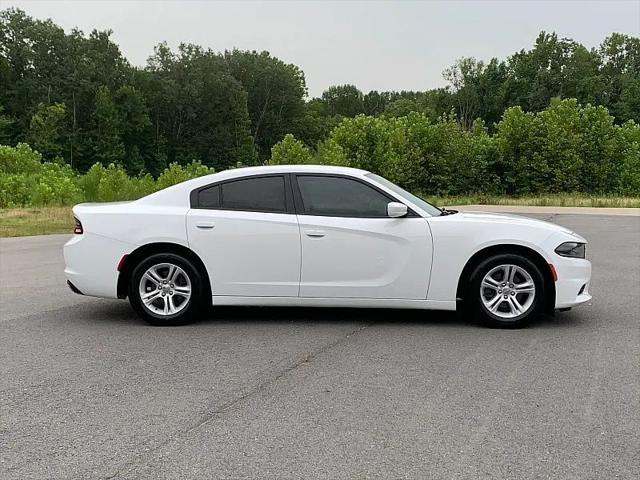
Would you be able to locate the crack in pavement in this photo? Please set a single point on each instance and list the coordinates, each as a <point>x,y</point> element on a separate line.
<point>211,414</point>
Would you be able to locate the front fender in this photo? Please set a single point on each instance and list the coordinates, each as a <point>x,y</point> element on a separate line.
<point>456,242</point>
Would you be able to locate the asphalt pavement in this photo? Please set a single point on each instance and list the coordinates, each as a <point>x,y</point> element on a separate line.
<point>87,390</point>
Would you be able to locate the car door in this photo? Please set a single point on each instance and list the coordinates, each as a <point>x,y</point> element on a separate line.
<point>245,231</point>
<point>352,248</point>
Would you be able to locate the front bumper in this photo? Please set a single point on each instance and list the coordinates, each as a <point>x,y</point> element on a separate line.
<point>574,279</point>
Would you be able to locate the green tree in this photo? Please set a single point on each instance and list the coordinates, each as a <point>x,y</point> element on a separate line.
<point>630,168</point>
<point>314,125</point>
<point>40,63</point>
<point>601,150</point>
<point>107,144</point>
<point>401,107</point>
<point>175,173</point>
<point>19,159</point>
<point>5,125</point>
<point>45,131</point>
<point>290,151</point>
<point>521,166</point>
<point>374,103</point>
<point>274,95</point>
<point>198,110</point>
<point>620,57</point>
<point>136,133</point>
<point>463,78</point>
<point>343,100</point>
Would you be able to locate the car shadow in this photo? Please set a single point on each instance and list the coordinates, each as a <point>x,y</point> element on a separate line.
<point>331,315</point>
<point>121,312</point>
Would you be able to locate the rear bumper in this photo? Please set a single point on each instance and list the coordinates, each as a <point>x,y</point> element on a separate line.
<point>91,263</point>
<point>73,288</point>
<point>572,286</point>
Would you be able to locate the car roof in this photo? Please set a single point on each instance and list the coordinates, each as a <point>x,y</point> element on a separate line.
<point>268,169</point>
<point>179,194</point>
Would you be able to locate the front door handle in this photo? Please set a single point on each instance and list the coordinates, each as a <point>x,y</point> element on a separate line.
<point>314,233</point>
<point>205,226</point>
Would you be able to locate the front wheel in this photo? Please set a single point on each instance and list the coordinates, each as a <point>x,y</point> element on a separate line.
<point>506,291</point>
<point>166,289</point>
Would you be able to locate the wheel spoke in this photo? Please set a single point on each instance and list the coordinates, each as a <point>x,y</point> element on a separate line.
<point>172,307</point>
<point>176,274</point>
<point>490,282</point>
<point>171,272</point>
<point>525,287</point>
<point>495,302</point>
<point>182,291</point>
<point>153,276</point>
<point>149,297</point>
<point>505,273</point>
<point>511,273</point>
<point>515,305</point>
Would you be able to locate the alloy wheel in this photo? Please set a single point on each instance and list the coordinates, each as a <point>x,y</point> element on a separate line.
<point>165,289</point>
<point>507,291</point>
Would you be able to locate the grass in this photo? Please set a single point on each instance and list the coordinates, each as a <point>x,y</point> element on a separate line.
<point>15,222</point>
<point>556,200</point>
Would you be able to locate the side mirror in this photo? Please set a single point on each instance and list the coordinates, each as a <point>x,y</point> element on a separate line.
<point>396,209</point>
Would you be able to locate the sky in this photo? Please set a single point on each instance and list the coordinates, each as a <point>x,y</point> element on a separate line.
<point>381,45</point>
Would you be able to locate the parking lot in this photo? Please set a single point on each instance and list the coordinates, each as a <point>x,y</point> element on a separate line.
<point>87,390</point>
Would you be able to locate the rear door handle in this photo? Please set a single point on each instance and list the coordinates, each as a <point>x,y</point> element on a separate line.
<point>314,233</point>
<point>205,226</point>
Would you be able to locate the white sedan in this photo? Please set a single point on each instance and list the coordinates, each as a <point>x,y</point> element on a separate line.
<point>319,236</point>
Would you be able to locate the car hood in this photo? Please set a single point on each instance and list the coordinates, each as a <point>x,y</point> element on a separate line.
<point>487,217</point>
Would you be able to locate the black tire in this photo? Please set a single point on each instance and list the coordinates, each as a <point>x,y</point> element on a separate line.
<point>474,300</point>
<point>187,313</point>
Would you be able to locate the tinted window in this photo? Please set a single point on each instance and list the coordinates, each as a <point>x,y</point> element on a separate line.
<point>264,194</point>
<point>210,197</point>
<point>427,207</point>
<point>340,197</point>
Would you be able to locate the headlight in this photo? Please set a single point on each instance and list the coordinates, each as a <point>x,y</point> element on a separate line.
<point>571,249</point>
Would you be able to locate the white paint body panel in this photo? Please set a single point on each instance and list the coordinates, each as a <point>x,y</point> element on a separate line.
<point>269,259</point>
<point>458,237</point>
<point>333,302</point>
<point>365,257</point>
<point>247,253</point>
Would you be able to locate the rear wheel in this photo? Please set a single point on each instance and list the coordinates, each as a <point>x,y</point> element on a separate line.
<point>506,291</point>
<point>166,289</point>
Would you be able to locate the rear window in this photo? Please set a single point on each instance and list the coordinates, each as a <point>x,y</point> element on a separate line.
<point>261,194</point>
<point>209,197</point>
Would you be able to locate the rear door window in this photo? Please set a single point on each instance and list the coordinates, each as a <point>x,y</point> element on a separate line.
<point>209,197</point>
<point>255,194</point>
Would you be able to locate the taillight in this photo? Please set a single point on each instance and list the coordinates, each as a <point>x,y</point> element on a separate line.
<point>78,227</point>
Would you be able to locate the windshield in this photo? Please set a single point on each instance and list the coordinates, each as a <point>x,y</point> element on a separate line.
<point>427,207</point>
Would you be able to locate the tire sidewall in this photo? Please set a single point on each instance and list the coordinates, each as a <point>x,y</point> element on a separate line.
<point>185,315</point>
<point>485,316</point>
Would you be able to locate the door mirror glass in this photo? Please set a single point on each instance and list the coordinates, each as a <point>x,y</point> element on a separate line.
<point>396,209</point>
